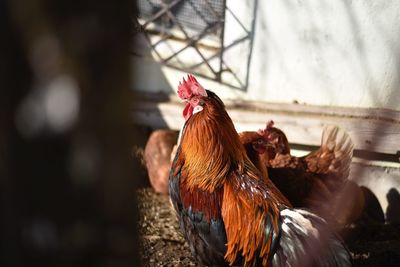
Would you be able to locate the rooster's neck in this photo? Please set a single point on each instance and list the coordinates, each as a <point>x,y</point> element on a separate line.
<point>211,149</point>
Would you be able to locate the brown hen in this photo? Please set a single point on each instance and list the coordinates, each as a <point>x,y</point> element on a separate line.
<point>312,181</point>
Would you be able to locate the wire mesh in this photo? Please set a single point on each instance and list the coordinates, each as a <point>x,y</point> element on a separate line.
<point>190,35</point>
<point>194,15</point>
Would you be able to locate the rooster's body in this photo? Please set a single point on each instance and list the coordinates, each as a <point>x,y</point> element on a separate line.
<point>228,212</point>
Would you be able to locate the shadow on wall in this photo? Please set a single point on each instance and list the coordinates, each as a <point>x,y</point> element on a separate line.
<point>372,207</point>
<point>393,209</point>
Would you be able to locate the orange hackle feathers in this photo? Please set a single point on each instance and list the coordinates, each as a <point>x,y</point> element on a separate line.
<point>246,214</point>
<point>207,155</point>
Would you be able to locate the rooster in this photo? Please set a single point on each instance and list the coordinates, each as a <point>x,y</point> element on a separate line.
<point>228,212</point>
<point>311,181</point>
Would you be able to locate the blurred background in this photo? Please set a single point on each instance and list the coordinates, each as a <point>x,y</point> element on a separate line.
<point>83,84</point>
<point>67,179</point>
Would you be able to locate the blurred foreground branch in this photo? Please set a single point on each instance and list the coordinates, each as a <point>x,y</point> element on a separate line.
<point>67,187</point>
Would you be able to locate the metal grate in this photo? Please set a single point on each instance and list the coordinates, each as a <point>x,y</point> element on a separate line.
<point>195,15</point>
<point>189,35</point>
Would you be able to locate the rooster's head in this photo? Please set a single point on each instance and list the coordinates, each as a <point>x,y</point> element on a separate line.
<point>191,91</point>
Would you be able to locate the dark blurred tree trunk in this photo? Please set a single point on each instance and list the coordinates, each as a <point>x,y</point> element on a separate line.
<point>67,193</point>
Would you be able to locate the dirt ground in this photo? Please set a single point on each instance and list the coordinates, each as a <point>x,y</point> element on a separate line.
<point>162,242</point>
<point>163,245</point>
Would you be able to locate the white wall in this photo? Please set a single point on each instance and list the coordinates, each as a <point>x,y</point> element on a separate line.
<point>319,52</point>
<point>342,53</point>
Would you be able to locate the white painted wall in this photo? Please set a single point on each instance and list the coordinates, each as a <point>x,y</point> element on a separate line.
<point>342,53</point>
<point>318,52</point>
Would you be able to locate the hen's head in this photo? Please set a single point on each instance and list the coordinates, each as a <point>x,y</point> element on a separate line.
<point>275,139</point>
<point>193,93</point>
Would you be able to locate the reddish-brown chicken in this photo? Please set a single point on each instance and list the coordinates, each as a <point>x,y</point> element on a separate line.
<point>157,158</point>
<point>228,212</point>
<point>312,181</point>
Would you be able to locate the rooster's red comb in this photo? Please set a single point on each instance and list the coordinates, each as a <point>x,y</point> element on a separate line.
<point>270,124</point>
<point>190,87</point>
